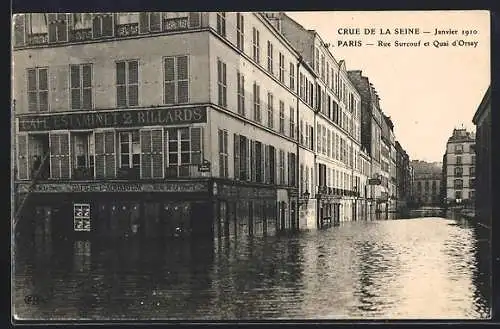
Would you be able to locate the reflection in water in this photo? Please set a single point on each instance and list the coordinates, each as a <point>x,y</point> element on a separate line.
<point>415,268</point>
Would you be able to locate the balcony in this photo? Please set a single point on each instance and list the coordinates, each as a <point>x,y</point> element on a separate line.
<point>38,38</point>
<point>125,30</point>
<point>174,24</point>
<point>80,35</point>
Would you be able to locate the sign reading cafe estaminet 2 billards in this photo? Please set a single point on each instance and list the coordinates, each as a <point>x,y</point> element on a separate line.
<point>112,119</point>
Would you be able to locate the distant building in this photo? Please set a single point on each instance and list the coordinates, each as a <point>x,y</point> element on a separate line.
<point>403,177</point>
<point>482,120</point>
<point>459,167</point>
<point>427,183</point>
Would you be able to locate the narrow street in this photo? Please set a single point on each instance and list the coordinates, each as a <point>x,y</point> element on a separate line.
<point>422,267</point>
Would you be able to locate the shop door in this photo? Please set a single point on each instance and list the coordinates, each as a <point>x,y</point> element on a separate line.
<point>202,219</point>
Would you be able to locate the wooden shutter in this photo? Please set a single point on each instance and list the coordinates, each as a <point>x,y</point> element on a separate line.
<point>194,19</point>
<point>99,155</point>
<point>236,156</point>
<point>146,147</point>
<point>157,153</point>
<point>196,146</point>
<point>22,157</point>
<point>110,156</point>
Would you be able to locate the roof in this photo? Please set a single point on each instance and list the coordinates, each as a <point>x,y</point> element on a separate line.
<point>483,105</point>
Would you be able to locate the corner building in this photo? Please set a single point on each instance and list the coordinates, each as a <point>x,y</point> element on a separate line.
<point>139,123</point>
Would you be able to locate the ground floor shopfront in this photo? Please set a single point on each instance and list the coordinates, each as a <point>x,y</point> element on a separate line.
<point>204,208</point>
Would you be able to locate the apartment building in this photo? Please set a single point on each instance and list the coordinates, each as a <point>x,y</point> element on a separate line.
<point>336,133</point>
<point>371,140</point>
<point>403,178</point>
<point>146,122</point>
<point>482,120</point>
<point>459,168</point>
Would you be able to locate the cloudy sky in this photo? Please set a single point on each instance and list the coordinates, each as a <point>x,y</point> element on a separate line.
<point>426,90</point>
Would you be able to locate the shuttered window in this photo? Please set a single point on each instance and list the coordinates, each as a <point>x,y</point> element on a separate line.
<point>149,22</point>
<point>59,155</point>
<point>241,93</point>
<point>221,83</point>
<point>152,153</point>
<point>256,102</point>
<point>38,89</point>
<point>102,25</point>
<point>236,152</point>
<point>184,150</point>
<point>81,86</point>
<point>223,153</point>
<point>176,79</point>
<point>58,27</point>
<point>221,23</point>
<point>105,160</point>
<point>22,157</point>
<point>259,162</point>
<point>127,83</point>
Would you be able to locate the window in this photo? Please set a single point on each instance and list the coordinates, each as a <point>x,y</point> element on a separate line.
<point>256,45</point>
<point>458,195</point>
<point>221,83</point>
<point>59,155</point>
<point>471,195</point>
<point>292,123</point>
<point>292,181</point>
<point>58,27</point>
<point>83,150</point>
<point>240,31</point>
<point>152,150</point>
<point>471,183</point>
<point>184,150</point>
<point>458,184</point>
<point>81,86</point>
<point>270,110</point>
<point>316,60</point>
<point>282,68</point>
<point>323,142</point>
<point>38,90</point>
<point>319,138</point>
<point>149,22</point>
<point>323,67</point>
<point>256,102</point>
<point>36,24</point>
<point>302,89</point>
<point>281,167</point>
<point>473,159</point>
<point>259,162</point>
<point>241,157</point>
<point>130,149</point>
<point>459,160</point>
<point>328,143</point>
<point>221,24</point>
<point>241,93</point>
<point>270,57</point>
<point>223,154</point>
<point>102,25</point>
<point>458,171</point>
<point>459,148</point>
<point>472,171</point>
<point>327,74</point>
<point>271,165</point>
<point>301,132</point>
<point>176,76</point>
<point>105,160</point>
<point>292,76</point>
<point>282,118</point>
<point>127,83</point>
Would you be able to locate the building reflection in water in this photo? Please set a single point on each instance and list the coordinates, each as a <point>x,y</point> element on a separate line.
<point>429,268</point>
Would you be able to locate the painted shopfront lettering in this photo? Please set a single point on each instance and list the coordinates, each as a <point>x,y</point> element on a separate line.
<point>148,117</point>
<point>116,187</point>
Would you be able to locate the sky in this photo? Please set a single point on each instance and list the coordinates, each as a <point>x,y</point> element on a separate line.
<point>426,90</point>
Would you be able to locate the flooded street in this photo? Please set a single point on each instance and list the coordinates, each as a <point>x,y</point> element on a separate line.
<point>387,269</point>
